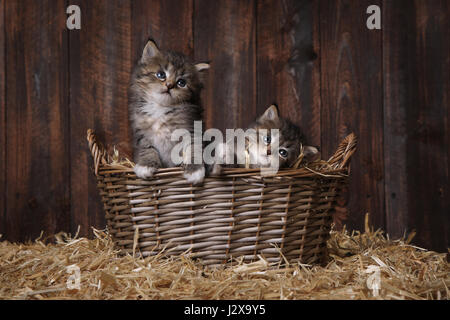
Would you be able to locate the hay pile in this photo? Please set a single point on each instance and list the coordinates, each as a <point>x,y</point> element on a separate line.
<point>40,271</point>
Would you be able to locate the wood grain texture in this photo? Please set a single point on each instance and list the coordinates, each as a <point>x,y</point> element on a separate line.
<point>100,65</point>
<point>38,192</point>
<point>398,77</point>
<point>351,90</point>
<point>288,71</point>
<point>224,33</point>
<point>416,127</point>
<point>2,121</point>
<point>169,23</point>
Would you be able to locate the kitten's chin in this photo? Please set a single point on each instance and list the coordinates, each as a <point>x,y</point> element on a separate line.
<point>165,98</point>
<point>161,98</point>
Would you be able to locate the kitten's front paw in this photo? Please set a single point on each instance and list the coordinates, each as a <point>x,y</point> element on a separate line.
<point>194,174</point>
<point>144,172</point>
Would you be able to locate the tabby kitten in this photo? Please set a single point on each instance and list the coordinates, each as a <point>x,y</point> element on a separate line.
<point>164,96</point>
<point>290,140</point>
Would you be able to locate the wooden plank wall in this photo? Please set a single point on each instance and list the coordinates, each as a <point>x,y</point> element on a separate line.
<point>2,119</point>
<point>316,59</point>
<point>100,66</point>
<point>37,125</point>
<point>225,34</point>
<point>352,100</point>
<point>416,128</point>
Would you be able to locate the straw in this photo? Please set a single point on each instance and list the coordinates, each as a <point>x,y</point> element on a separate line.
<point>38,270</point>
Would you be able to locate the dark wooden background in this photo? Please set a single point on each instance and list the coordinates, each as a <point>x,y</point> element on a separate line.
<point>316,59</point>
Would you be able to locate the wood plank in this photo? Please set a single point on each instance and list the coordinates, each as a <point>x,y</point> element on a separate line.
<point>398,71</point>
<point>2,121</point>
<point>38,190</point>
<point>416,65</point>
<point>169,23</point>
<point>351,89</point>
<point>225,34</point>
<point>100,66</point>
<point>288,71</point>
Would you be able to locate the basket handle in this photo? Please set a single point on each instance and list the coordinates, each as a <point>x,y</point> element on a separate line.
<point>343,153</point>
<point>97,150</point>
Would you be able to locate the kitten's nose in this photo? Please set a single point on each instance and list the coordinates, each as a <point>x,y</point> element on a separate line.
<point>269,152</point>
<point>170,84</point>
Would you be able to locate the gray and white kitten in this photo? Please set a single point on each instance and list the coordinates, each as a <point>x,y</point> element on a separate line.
<point>163,96</point>
<point>290,140</point>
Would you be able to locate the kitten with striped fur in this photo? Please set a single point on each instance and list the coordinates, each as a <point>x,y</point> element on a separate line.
<point>164,96</point>
<point>290,141</point>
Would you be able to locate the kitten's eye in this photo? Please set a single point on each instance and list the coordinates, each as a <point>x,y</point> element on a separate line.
<point>266,139</point>
<point>161,75</point>
<point>283,153</point>
<point>181,83</point>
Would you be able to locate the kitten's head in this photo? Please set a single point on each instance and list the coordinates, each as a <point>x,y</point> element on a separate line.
<point>167,78</point>
<point>290,140</point>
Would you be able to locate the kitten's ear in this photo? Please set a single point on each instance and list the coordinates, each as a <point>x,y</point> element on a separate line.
<point>151,50</point>
<point>270,114</point>
<point>202,66</point>
<point>311,153</point>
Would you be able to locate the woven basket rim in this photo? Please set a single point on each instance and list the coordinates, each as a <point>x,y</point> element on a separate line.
<point>339,163</point>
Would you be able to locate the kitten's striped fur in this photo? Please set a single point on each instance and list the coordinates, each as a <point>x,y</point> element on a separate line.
<point>158,106</point>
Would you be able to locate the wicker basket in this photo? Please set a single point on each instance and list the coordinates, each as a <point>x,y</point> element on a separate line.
<point>284,218</point>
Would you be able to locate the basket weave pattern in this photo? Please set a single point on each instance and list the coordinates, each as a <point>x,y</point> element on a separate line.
<point>284,218</point>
